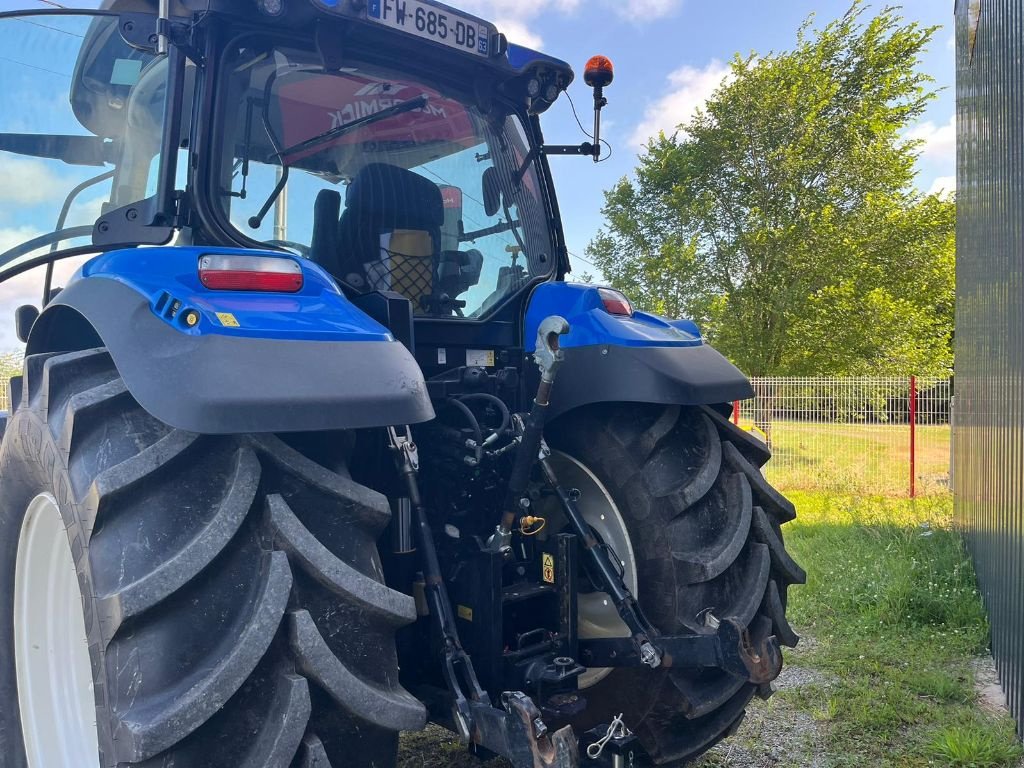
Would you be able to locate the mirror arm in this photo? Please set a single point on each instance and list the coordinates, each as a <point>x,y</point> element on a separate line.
<point>166,200</point>
<point>586,149</point>
<point>599,103</point>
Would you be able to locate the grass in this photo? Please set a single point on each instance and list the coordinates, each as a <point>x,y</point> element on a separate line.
<point>973,747</point>
<point>893,609</point>
<point>892,622</point>
<point>859,458</point>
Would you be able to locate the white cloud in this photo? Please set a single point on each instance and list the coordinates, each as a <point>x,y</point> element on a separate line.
<point>514,17</point>
<point>943,186</point>
<point>27,287</point>
<point>29,182</point>
<point>951,42</point>
<point>646,9</point>
<point>518,33</point>
<point>688,89</point>
<point>517,19</point>
<point>939,141</point>
<point>85,212</point>
<point>12,236</point>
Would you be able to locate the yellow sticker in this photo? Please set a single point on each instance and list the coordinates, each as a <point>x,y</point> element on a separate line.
<point>548,568</point>
<point>482,358</point>
<point>227,319</point>
<point>465,612</point>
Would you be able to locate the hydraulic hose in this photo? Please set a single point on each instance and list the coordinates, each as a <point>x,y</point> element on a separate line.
<point>506,416</point>
<point>548,357</point>
<point>474,424</point>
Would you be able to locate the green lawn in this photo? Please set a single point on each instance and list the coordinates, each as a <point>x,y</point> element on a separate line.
<point>894,621</point>
<point>858,458</point>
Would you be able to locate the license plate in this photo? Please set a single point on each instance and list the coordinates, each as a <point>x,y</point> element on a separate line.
<point>432,23</point>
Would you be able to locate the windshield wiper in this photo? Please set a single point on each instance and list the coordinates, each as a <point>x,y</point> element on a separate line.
<point>406,106</point>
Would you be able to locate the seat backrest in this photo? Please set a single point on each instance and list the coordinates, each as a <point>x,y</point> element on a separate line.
<point>323,245</point>
<point>388,200</point>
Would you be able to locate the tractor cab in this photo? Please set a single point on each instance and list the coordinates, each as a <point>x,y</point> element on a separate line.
<point>391,181</point>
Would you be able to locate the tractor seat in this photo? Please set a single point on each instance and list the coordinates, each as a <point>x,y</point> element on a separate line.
<point>389,236</point>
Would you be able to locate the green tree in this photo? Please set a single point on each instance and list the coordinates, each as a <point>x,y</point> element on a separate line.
<point>783,217</point>
<point>10,365</point>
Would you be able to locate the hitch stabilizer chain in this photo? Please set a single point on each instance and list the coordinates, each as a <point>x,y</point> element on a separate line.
<point>548,357</point>
<point>601,566</point>
<point>729,647</point>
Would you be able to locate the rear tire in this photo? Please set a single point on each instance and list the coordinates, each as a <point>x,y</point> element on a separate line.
<point>704,532</point>
<point>234,601</point>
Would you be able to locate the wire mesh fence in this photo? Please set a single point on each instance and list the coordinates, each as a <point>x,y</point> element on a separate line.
<point>887,436</point>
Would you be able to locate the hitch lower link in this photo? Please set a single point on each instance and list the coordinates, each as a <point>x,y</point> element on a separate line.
<point>516,731</point>
<point>727,645</point>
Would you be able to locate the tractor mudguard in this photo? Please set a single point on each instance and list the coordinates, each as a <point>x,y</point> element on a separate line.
<point>218,362</point>
<point>640,358</point>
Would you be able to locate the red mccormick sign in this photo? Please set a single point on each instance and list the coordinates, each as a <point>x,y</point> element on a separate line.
<point>308,104</point>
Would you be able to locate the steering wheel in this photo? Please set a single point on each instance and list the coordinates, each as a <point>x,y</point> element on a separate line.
<point>303,250</point>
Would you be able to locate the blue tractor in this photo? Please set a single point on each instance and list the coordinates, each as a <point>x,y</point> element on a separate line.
<point>317,444</point>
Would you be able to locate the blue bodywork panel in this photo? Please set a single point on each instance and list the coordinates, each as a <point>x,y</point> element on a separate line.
<point>521,59</point>
<point>590,323</point>
<point>318,312</point>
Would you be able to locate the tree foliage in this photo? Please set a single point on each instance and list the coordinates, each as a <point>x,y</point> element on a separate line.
<point>783,217</point>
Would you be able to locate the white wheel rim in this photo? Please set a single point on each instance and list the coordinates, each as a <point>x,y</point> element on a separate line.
<point>51,649</point>
<point>597,615</point>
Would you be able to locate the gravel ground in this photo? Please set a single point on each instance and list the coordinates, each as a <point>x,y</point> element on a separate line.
<point>986,682</point>
<point>772,734</point>
<point>991,697</point>
<point>435,747</point>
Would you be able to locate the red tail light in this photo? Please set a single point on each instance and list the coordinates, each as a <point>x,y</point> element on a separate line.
<point>615,303</point>
<point>237,272</point>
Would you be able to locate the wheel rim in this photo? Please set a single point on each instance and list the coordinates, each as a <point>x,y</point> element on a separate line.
<point>597,615</point>
<point>51,649</point>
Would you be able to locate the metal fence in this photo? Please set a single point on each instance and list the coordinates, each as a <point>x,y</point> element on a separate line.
<point>989,419</point>
<point>888,436</point>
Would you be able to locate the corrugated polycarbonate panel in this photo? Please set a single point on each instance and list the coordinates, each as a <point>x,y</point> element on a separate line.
<point>989,404</point>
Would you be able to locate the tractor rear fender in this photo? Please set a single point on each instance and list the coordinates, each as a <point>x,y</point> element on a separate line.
<point>222,362</point>
<point>639,358</point>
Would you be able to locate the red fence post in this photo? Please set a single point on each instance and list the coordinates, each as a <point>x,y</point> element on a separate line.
<point>736,412</point>
<point>913,435</point>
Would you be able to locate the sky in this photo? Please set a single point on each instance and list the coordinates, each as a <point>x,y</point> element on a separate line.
<point>669,57</point>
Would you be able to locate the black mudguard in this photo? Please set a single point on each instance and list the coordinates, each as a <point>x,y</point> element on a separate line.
<point>604,373</point>
<point>219,384</point>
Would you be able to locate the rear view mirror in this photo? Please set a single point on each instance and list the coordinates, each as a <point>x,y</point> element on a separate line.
<point>491,191</point>
<point>73,150</point>
<point>25,317</point>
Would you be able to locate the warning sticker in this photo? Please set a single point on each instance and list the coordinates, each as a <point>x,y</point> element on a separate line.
<point>483,358</point>
<point>227,319</point>
<point>465,612</point>
<point>548,568</point>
